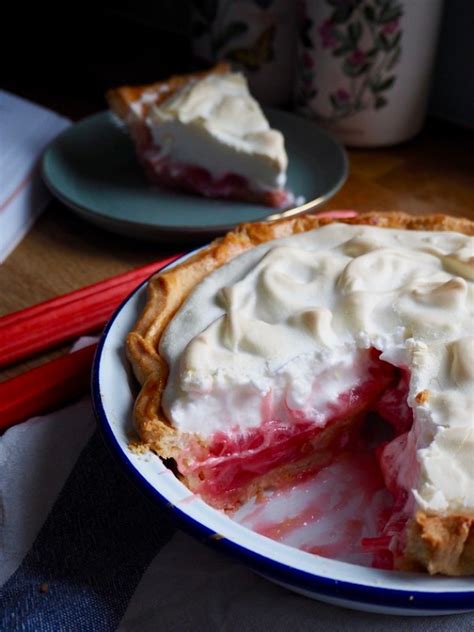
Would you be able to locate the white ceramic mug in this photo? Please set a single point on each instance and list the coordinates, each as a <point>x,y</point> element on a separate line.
<point>364,67</point>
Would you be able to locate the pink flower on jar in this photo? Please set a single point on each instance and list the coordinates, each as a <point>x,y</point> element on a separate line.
<point>326,33</point>
<point>390,27</point>
<point>342,95</point>
<point>357,57</point>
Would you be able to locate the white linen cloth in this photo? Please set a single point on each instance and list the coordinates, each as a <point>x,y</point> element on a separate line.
<point>26,129</point>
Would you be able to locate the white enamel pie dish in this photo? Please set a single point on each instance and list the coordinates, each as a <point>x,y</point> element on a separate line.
<point>338,583</point>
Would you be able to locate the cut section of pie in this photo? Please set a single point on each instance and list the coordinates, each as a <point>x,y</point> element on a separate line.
<point>204,133</point>
<point>261,356</point>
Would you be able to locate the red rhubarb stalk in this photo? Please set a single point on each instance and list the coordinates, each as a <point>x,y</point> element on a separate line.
<point>46,387</point>
<point>84,311</point>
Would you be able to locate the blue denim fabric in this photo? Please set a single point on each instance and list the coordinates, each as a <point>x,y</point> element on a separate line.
<point>90,554</point>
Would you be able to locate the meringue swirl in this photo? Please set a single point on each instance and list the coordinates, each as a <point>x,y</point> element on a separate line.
<point>297,314</point>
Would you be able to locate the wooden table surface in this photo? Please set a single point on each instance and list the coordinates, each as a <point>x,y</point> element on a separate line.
<point>432,173</point>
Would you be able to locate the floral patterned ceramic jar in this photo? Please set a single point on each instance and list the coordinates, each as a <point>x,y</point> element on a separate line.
<point>257,37</point>
<point>365,66</point>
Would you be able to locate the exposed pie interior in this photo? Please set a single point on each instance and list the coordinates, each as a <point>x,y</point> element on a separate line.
<point>262,368</point>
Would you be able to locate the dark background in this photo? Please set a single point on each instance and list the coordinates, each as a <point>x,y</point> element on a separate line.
<point>67,56</point>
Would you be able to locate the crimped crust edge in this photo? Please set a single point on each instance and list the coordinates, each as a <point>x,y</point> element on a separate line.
<point>439,544</point>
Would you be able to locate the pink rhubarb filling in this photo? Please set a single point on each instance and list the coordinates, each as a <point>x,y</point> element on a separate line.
<point>228,465</point>
<point>193,179</point>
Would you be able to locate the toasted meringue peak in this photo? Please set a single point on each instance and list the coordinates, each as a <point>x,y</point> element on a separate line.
<point>293,317</point>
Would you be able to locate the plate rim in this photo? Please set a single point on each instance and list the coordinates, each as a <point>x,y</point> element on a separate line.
<point>396,600</point>
<point>273,213</point>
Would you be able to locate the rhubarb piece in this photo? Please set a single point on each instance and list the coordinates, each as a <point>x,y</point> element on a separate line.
<point>64,318</point>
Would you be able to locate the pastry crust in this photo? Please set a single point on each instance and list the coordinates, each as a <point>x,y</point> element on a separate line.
<point>440,544</point>
<point>121,99</point>
<point>166,292</point>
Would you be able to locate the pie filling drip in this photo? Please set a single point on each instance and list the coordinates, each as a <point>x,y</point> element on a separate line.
<point>276,358</point>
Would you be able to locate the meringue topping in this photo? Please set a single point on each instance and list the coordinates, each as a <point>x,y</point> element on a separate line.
<point>297,314</point>
<point>216,124</point>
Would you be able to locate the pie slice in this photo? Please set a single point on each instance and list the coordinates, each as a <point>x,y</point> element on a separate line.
<point>204,133</point>
<point>262,356</point>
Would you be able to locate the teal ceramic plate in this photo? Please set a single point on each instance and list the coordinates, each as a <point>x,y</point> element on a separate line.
<point>92,168</point>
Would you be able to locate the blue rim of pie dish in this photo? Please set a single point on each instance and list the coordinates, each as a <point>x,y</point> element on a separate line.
<point>393,599</point>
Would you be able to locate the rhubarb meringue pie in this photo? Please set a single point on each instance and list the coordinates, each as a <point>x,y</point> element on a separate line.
<point>204,133</point>
<point>262,355</point>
